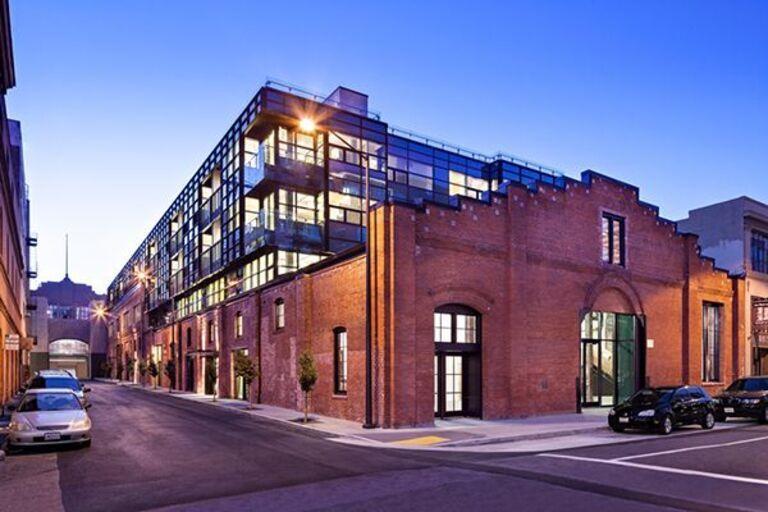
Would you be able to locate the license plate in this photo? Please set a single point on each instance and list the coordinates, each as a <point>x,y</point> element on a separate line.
<point>52,436</point>
<point>729,410</point>
<point>623,420</point>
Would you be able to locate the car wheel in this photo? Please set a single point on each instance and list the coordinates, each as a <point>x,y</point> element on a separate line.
<point>764,416</point>
<point>667,425</point>
<point>708,422</point>
<point>86,444</point>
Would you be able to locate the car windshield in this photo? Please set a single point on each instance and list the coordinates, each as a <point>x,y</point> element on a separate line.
<point>650,396</point>
<point>749,385</point>
<point>50,402</point>
<point>54,382</point>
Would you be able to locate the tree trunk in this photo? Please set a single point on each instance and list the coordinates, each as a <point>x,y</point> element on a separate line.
<point>306,407</point>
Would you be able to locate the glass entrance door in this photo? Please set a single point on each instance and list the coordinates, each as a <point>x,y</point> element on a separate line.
<point>609,362</point>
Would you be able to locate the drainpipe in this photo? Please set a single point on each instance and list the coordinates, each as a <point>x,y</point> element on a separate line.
<point>258,346</point>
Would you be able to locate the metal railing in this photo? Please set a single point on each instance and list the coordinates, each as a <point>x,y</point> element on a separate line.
<point>303,93</point>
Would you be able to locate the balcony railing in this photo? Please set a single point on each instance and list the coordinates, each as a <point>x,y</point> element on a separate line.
<point>283,231</point>
<point>291,165</point>
<point>210,259</point>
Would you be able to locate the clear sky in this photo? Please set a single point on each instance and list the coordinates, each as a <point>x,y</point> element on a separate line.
<point>121,101</point>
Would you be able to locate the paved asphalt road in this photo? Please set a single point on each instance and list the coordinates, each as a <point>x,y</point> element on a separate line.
<point>155,452</point>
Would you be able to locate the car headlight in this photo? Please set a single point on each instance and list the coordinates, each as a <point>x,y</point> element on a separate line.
<point>648,413</point>
<point>19,425</point>
<point>752,401</point>
<point>84,423</point>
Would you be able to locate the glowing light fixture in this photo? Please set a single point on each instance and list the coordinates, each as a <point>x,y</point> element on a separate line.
<point>307,125</point>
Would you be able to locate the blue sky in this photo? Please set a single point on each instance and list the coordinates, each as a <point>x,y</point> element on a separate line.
<point>121,101</point>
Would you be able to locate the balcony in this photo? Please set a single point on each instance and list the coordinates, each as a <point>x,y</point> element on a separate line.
<point>285,233</point>
<point>292,166</point>
<point>176,283</point>
<point>210,259</point>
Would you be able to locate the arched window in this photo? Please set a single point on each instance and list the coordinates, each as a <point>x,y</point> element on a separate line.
<point>340,361</point>
<point>279,313</point>
<point>456,324</point>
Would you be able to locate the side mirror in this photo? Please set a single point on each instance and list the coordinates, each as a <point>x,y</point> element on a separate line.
<point>11,407</point>
<point>88,406</point>
<point>86,390</point>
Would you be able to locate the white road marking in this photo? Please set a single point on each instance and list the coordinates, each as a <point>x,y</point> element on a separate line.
<point>661,469</point>
<point>692,448</point>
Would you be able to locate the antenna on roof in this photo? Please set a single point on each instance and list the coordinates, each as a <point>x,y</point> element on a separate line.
<point>66,255</point>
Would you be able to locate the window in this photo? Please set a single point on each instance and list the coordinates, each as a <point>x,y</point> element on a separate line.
<point>711,342</point>
<point>279,314</point>
<point>189,336</point>
<point>455,324</point>
<point>613,239</point>
<point>211,333</point>
<point>340,361</point>
<point>760,252</point>
<point>238,325</point>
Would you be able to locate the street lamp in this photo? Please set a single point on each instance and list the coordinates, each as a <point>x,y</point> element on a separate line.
<point>309,125</point>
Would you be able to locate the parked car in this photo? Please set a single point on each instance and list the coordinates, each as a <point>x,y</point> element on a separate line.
<point>745,398</point>
<point>49,416</point>
<point>59,380</point>
<point>664,408</point>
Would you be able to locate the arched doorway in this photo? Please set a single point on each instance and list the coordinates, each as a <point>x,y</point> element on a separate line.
<point>71,355</point>
<point>458,363</point>
<point>612,357</point>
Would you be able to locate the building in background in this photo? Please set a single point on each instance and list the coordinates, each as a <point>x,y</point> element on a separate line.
<point>15,239</point>
<point>67,330</point>
<point>498,287</point>
<point>735,234</point>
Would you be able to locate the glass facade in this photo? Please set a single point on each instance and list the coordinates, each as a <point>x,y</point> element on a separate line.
<point>272,198</point>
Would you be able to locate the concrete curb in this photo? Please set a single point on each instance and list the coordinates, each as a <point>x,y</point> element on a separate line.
<point>523,437</point>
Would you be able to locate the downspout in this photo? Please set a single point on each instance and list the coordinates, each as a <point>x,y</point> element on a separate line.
<point>258,346</point>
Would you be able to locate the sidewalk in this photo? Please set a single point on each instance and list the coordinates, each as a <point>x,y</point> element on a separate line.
<point>538,433</point>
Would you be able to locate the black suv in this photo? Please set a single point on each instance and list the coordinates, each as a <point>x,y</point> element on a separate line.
<point>662,409</point>
<point>745,398</point>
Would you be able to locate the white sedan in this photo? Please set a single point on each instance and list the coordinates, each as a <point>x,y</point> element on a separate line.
<point>49,416</point>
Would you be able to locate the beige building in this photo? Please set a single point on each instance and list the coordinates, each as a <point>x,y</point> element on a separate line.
<point>735,234</point>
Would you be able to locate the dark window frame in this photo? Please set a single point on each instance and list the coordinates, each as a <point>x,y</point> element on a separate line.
<point>239,324</point>
<point>710,357</point>
<point>340,361</point>
<point>759,251</point>
<point>278,310</point>
<point>612,221</point>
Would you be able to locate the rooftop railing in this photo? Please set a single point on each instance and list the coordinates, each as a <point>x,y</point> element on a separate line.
<point>303,93</point>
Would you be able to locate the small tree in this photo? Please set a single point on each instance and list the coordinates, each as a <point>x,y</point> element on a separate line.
<point>143,368</point>
<point>106,368</point>
<point>170,372</point>
<point>119,370</point>
<point>211,373</point>
<point>129,367</point>
<point>246,370</point>
<point>153,371</point>
<point>307,378</point>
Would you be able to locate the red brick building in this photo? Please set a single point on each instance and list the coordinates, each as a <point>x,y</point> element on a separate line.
<point>533,302</point>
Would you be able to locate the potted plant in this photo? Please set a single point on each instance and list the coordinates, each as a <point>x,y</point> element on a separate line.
<point>307,378</point>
